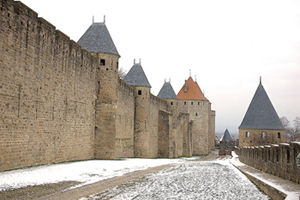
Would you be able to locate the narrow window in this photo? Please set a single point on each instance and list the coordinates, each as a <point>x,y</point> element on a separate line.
<point>198,103</point>
<point>171,103</point>
<point>102,61</point>
<point>98,87</point>
<point>196,114</point>
<point>140,92</point>
<point>191,103</point>
<point>184,103</point>
<point>288,156</point>
<point>247,134</point>
<point>278,134</point>
<point>263,135</point>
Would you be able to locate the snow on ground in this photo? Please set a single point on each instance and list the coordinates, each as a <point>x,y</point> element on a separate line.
<point>85,172</point>
<point>193,180</point>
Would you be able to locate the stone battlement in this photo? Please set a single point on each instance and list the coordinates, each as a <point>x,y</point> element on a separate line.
<point>279,160</point>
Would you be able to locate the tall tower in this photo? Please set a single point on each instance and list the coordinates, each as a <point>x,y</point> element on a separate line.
<point>193,101</point>
<point>180,140</point>
<point>261,124</point>
<point>98,41</point>
<point>137,78</point>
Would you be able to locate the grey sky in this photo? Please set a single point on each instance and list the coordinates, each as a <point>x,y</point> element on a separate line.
<point>226,44</point>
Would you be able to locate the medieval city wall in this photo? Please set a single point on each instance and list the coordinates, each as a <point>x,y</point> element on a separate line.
<point>47,87</point>
<point>125,121</point>
<point>157,104</point>
<point>276,159</point>
<point>211,139</point>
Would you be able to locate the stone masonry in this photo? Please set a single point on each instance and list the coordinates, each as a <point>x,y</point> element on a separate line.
<point>64,101</point>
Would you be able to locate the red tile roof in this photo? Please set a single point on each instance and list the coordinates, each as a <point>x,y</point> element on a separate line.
<point>193,91</point>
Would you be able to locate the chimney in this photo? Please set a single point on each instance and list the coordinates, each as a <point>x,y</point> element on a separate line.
<point>185,87</point>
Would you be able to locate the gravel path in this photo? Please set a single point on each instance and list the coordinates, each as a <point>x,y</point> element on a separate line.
<point>57,191</point>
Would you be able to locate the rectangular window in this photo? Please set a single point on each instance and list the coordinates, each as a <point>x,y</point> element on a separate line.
<point>140,92</point>
<point>191,103</point>
<point>171,103</point>
<point>263,135</point>
<point>278,135</point>
<point>247,134</point>
<point>102,61</point>
<point>184,103</point>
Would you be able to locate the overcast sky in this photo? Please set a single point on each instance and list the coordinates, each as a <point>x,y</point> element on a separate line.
<point>227,45</point>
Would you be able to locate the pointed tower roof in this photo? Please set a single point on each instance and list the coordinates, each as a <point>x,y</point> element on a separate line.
<point>226,136</point>
<point>98,39</point>
<point>136,76</point>
<point>191,91</point>
<point>261,113</point>
<point>167,92</point>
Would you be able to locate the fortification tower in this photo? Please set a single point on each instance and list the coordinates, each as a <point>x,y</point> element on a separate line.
<point>98,41</point>
<point>137,78</point>
<point>181,140</point>
<point>261,124</point>
<point>198,106</point>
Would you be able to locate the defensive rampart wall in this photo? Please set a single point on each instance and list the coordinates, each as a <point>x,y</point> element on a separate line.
<point>125,121</point>
<point>47,87</point>
<point>279,160</point>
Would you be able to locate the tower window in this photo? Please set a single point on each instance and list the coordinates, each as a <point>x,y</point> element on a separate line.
<point>140,92</point>
<point>102,61</point>
<point>171,103</point>
<point>247,134</point>
<point>278,134</point>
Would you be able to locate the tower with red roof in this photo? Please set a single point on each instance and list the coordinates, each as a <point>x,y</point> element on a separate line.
<point>192,101</point>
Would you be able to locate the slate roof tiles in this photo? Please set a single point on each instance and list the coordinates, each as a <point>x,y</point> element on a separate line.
<point>167,92</point>
<point>98,39</point>
<point>261,113</point>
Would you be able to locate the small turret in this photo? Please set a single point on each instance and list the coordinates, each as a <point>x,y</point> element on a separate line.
<point>137,78</point>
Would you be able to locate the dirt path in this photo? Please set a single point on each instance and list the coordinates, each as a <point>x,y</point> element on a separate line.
<point>55,191</point>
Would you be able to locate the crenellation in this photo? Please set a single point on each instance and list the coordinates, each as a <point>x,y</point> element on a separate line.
<point>276,159</point>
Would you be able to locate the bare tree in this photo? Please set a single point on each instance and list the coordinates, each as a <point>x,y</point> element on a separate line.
<point>122,72</point>
<point>292,132</point>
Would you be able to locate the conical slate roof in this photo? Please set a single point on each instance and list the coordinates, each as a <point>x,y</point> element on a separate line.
<point>167,92</point>
<point>136,76</point>
<point>193,91</point>
<point>98,39</point>
<point>226,136</point>
<point>261,113</point>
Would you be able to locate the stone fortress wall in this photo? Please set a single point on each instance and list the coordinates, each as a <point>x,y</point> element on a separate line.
<point>59,102</point>
<point>276,159</point>
<point>47,92</point>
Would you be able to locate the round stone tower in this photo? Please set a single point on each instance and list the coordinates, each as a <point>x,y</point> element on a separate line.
<point>137,78</point>
<point>98,41</point>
